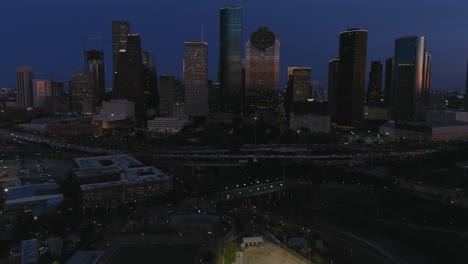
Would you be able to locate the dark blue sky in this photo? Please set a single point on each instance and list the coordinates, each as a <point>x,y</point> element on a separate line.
<point>47,34</point>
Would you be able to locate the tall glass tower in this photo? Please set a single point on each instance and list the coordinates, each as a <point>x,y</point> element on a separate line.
<point>262,60</point>
<point>95,66</point>
<point>120,31</point>
<point>412,78</point>
<point>230,66</point>
<point>24,86</point>
<point>374,89</point>
<point>130,80</point>
<point>196,78</point>
<point>352,80</point>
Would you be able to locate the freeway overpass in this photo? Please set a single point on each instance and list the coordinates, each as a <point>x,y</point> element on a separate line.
<point>253,190</point>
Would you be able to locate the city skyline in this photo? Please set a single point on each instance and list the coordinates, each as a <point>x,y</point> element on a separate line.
<point>66,40</point>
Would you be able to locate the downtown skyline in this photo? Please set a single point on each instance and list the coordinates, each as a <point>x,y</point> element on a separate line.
<point>308,38</point>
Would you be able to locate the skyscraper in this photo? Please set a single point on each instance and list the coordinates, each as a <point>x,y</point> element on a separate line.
<point>120,31</point>
<point>230,67</point>
<point>412,77</point>
<point>301,84</point>
<point>262,60</point>
<point>24,86</point>
<point>333,80</point>
<point>129,82</point>
<point>41,90</point>
<point>466,89</point>
<point>374,89</point>
<point>196,78</point>
<point>81,92</point>
<point>166,95</point>
<point>389,81</point>
<point>352,77</point>
<point>150,90</point>
<point>95,66</point>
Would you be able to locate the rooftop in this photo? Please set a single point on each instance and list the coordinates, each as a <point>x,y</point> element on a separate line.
<point>122,162</point>
<point>35,192</point>
<point>85,257</point>
<point>134,176</point>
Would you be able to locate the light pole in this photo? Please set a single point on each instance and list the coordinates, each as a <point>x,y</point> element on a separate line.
<point>255,130</point>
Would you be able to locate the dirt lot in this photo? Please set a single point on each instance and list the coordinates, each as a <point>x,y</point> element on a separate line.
<point>269,254</point>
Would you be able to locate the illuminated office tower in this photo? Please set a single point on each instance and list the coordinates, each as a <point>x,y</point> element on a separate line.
<point>230,66</point>
<point>150,89</point>
<point>389,82</point>
<point>24,86</point>
<point>95,66</point>
<point>374,88</point>
<point>412,78</point>
<point>352,77</point>
<point>262,60</point>
<point>41,90</point>
<point>120,31</point>
<point>333,79</point>
<point>81,92</point>
<point>129,82</point>
<point>196,78</point>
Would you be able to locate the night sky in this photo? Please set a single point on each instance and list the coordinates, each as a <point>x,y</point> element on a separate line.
<point>47,34</point>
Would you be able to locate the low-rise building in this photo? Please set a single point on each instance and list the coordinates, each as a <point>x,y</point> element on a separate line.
<point>37,199</point>
<point>311,115</point>
<point>112,180</point>
<point>426,131</point>
<point>166,124</point>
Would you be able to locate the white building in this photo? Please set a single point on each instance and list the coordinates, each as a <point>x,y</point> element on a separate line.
<point>38,198</point>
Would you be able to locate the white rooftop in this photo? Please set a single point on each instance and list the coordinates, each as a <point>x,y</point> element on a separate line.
<point>123,162</point>
<point>134,176</point>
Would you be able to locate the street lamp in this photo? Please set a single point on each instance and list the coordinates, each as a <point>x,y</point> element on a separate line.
<point>255,130</point>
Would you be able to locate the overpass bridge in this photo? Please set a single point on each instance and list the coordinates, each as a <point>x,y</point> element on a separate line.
<point>254,190</point>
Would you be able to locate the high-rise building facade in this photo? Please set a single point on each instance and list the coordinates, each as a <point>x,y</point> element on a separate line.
<point>352,80</point>
<point>262,60</point>
<point>166,95</point>
<point>374,89</point>
<point>230,65</point>
<point>129,82</point>
<point>466,89</point>
<point>81,92</point>
<point>333,80</point>
<point>150,90</point>
<point>94,63</point>
<point>412,78</point>
<point>120,31</point>
<point>41,90</point>
<point>24,86</point>
<point>389,82</point>
<point>196,78</point>
<point>301,84</point>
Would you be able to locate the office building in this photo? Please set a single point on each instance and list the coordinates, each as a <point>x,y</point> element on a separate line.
<point>262,60</point>
<point>466,90</point>
<point>299,87</point>
<point>94,62</point>
<point>166,94</point>
<point>352,77</point>
<point>196,78</point>
<point>81,92</point>
<point>374,89</point>
<point>412,78</point>
<point>120,31</point>
<point>41,90</point>
<point>24,86</point>
<point>150,89</point>
<point>129,83</point>
<point>389,82</point>
<point>333,80</point>
<point>230,67</point>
